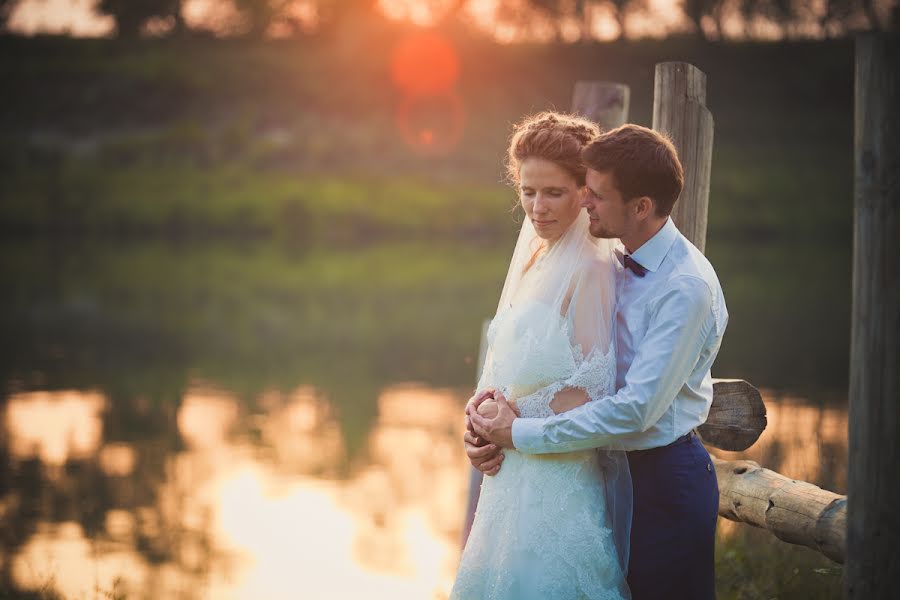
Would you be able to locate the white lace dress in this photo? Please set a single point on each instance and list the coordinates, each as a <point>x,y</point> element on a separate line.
<point>541,530</point>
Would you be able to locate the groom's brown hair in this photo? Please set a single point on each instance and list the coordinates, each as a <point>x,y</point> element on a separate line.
<point>643,163</point>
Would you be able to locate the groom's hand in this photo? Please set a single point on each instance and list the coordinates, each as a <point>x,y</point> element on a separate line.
<point>483,455</point>
<point>498,430</point>
<point>473,404</point>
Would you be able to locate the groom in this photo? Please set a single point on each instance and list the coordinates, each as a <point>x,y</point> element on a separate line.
<point>670,318</point>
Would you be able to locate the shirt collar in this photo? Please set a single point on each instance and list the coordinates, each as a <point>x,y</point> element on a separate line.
<point>651,254</point>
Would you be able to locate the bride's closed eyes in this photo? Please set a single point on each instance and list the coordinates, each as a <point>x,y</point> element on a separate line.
<point>554,191</point>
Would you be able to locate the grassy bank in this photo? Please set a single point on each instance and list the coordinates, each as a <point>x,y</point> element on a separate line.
<point>86,198</point>
<point>214,137</point>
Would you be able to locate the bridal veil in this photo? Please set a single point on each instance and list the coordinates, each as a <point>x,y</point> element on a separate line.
<point>567,328</point>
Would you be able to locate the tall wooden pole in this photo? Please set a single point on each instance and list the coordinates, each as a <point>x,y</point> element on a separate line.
<point>873,529</point>
<point>679,111</point>
<point>603,102</point>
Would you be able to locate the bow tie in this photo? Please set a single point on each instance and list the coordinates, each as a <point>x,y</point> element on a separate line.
<point>630,263</point>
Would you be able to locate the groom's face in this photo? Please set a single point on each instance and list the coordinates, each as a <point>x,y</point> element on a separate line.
<point>605,206</point>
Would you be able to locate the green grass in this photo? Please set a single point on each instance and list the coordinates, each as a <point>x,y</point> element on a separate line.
<point>217,137</point>
<point>752,564</point>
<point>88,198</point>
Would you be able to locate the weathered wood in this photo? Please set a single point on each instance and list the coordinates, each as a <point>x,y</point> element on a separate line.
<point>736,418</point>
<point>873,537</point>
<point>679,111</point>
<point>794,511</point>
<point>603,102</point>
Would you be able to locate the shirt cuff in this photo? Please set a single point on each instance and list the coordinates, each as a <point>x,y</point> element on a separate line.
<point>528,435</point>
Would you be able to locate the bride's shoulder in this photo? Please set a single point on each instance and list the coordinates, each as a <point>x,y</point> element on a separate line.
<point>595,274</point>
<point>596,264</point>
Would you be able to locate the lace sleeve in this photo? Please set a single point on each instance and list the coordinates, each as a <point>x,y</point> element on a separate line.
<point>595,376</point>
<point>589,321</point>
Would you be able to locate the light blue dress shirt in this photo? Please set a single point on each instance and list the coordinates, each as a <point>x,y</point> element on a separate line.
<point>669,326</point>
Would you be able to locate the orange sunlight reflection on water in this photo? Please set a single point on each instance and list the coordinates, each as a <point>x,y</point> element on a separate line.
<point>259,504</point>
<point>54,426</point>
<point>801,441</point>
<point>268,518</point>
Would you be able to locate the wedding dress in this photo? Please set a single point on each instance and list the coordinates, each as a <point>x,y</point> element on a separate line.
<point>552,526</point>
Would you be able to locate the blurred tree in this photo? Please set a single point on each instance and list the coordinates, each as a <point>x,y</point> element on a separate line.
<point>554,9</point>
<point>337,13</point>
<point>696,10</point>
<point>836,14</point>
<point>131,15</point>
<point>780,12</point>
<point>6,8</point>
<point>580,11</point>
<point>454,8</point>
<point>620,6</point>
<point>872,16</point>
<point>260,14</point>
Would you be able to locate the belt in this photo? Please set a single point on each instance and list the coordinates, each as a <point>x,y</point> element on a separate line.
<point>682,440</point>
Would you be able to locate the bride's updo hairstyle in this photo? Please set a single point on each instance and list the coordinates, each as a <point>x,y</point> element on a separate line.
<point>556,137</point>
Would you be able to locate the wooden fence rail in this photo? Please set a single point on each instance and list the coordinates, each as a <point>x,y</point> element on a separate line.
<point>794,511</point>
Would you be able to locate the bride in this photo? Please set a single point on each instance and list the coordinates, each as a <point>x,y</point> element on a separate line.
<point>551,526</point>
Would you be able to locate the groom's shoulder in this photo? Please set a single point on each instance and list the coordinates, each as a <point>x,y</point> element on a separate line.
<point>690,262</point>
<point>692,269</point>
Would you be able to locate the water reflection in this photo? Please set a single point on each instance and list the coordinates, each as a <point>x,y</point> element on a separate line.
<point>54,426</point>
<point>247,502</point>
<point>61,557</point>
<point>231,422</point>
<point>803,441</point>
<point>301,432</point>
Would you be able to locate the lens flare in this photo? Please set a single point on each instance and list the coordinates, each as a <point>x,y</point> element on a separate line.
<point>425,64</point>
<point>431,124</point>
<point>430,114</point>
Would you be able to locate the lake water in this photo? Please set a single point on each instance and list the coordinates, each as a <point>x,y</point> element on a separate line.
<point>264,421</point>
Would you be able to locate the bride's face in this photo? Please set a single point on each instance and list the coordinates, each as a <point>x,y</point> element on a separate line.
<point>550,196</point>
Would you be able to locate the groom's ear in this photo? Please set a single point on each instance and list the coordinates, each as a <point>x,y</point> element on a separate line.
<point>644,207</point>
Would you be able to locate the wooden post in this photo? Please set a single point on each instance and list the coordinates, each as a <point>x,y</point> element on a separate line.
<point>873,531</point>
<point>736,418</point>
<point>603,102</point>
<point>679,111</point>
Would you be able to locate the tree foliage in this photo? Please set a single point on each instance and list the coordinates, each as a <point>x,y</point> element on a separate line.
<point>833,17</point>
<point>131,15</point>
<point>260,14</point>
<point>6,7</point>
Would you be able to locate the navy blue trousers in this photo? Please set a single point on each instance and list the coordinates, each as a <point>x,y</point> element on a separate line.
<point>676,504</point>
